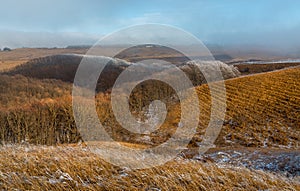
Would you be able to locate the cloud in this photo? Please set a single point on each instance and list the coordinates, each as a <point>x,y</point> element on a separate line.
<point>269,22</point>
<point>16,39</point>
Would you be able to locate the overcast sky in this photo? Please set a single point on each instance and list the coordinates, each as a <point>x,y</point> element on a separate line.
<point>66,22</point>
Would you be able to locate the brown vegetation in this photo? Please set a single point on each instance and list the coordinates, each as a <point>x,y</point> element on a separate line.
<point>64,67</point>
<point>260,68</point>
<point>260,112</point>
<point>75,168</point>
<point>19,91</point>
<point>10,59</point>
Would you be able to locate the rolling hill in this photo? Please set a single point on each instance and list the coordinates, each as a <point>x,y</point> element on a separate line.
<point>15,57</point>
<point>63,67</point>
<point>262,111</point>
<point>257,149</point>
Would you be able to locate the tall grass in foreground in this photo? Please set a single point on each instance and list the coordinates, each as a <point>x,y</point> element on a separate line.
<point>75,168</point>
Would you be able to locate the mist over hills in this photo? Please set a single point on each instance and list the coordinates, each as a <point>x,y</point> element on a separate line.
<point>221,50</point>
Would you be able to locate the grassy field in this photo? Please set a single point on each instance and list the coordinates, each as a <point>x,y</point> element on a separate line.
<point>75,168</point>
<point>262,110</point>
<point>42,148</point>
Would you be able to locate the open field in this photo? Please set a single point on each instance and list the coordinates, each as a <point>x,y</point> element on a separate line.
<point>10,59</point>
<point>257,149</point>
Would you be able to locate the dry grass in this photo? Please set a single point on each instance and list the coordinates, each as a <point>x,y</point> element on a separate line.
<point>16,57</point>
<point>7,65</point>
<point>262,110</point>
<point>75,168</point>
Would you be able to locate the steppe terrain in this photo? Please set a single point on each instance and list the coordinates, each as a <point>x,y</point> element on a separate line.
<point>257,149</point>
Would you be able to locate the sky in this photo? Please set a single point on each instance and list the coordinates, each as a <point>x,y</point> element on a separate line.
<point>58,23</point>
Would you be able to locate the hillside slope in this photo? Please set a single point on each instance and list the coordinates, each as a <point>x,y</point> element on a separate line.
<point>63,67</point>
<point>262,111</point>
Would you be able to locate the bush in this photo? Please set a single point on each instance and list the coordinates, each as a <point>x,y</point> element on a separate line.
<point>6,49</point>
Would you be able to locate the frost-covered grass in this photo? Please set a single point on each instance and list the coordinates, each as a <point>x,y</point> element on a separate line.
<point>26,167</point>
<point>283,161</point>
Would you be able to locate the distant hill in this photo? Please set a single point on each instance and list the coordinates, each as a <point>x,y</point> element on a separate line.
<point>9,60</point>
<point>246,68</point>
<point>79,47</point>
<point>63,67</point>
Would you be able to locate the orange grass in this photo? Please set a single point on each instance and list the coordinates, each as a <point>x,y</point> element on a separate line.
<point>75,168</point>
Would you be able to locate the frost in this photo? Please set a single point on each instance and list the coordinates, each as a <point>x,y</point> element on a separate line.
<point>285,162</point>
